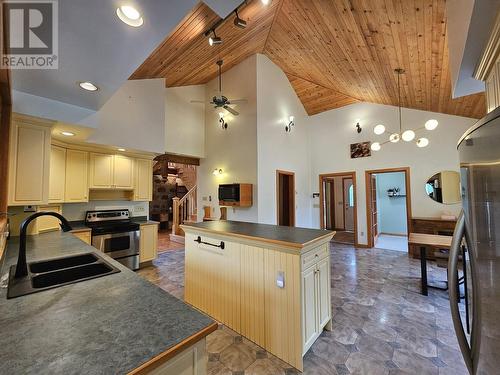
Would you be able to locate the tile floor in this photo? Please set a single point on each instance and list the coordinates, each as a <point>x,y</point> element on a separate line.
<point>382,324</point>
<point>388,242</point>
<point>164,243</point>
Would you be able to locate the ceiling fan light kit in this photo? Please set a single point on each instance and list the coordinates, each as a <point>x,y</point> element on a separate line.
<point>407,135</point>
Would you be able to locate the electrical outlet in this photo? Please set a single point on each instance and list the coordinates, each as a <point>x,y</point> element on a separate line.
<point>204,199</point>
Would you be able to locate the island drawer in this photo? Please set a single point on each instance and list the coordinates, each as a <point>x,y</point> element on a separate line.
<point>312,256</point>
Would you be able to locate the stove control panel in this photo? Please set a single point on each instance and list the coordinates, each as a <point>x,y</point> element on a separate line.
<point>106,215</point>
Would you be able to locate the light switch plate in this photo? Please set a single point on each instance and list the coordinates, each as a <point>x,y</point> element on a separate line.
<point>280,279</point>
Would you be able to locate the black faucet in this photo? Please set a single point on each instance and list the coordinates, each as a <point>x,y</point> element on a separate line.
<point>22,267</point>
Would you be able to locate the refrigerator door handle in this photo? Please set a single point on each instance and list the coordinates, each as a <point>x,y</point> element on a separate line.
<point>458,235</point>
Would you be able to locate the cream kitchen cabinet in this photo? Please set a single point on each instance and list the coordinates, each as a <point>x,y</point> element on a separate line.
<point>148,243</point>
<point>111,172</point>
<point>316,300</point>
<point>29,161</point>
<point>76,187</point>
<point>143,184</point>
<point>57,174</point>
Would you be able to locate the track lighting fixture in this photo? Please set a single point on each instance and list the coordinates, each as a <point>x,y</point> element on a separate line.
<point>214,39</point>
<point>239,22</point>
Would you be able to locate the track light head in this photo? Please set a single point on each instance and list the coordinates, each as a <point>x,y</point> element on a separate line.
<point>238,22</point>
<point>214,39</point>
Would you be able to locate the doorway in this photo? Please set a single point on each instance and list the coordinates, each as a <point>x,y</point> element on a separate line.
<point>338,205</point>
<point>285,198</point>
<point>388,208</point>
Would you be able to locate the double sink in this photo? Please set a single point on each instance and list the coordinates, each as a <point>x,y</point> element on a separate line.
<point>53,273</point>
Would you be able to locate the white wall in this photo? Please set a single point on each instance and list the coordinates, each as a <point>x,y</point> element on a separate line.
<point>185,121</point>
<point>133,117</point>
<point>234,150</point>
<point>391,212</point>
<point>276,100</point>
<point>333,131</point>
<point>76,211</point>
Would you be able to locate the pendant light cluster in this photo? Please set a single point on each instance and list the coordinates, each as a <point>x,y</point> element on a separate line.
<point>407,135</point>
<point>213,39</point>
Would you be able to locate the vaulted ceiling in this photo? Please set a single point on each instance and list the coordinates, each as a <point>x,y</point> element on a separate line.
<point>334,52</point>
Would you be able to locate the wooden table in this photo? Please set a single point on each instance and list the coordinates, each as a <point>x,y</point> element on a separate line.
<point>428,240</point>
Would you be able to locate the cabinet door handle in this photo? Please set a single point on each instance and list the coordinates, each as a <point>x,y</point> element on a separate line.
<point>210,244</point>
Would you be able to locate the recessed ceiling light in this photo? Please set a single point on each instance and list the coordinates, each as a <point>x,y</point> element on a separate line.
<point>265,2</point>
<point>129,15</point>
<point>121,149</point>
<point>89,86</point>
<point>67,134</point>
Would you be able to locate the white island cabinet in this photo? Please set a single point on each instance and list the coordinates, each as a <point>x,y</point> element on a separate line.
<point>269,283</point>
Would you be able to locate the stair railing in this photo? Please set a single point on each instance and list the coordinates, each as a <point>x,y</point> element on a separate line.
<point>183,209</point>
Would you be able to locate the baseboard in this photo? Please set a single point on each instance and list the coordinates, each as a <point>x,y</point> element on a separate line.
<point>361,246</point>
<point>394,234</point>
<point>177,238</point>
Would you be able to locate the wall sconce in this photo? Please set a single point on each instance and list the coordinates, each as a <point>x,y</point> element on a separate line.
<point>223,124</point>
<point>358,126</point>
<point>289,124</point>
<point>217,172</point>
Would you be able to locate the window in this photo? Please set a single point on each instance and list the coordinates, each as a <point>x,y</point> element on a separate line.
<point>351,196</point>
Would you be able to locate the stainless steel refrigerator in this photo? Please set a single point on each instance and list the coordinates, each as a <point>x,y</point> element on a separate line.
<point>476,241</point>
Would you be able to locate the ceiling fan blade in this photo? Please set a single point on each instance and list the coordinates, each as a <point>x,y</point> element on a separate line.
<point>237,101</point>
<point>197,101</point>
<point>230,110</point>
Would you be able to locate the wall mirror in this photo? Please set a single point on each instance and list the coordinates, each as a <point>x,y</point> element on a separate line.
<point>444,187</point>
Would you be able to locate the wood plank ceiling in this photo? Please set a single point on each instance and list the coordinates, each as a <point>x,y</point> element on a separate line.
<point>334,52</point>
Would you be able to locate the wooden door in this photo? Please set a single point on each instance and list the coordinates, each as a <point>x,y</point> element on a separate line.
<point>76,188</point>
<point>285,198</point>
<point>57,175</point>
<point>348,204</point>
<point>374,209</point>
<point>123,172</point>
<point>310,316</point>
<point>143,187</point>
<point>101,171</point>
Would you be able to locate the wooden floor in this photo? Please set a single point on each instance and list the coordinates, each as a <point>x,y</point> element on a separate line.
<point>164,243</point>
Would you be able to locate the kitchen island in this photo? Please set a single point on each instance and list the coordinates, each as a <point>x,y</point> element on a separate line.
<point>269,283</point>
<point>115,324</point>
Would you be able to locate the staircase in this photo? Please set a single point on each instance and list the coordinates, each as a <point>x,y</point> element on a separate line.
<point>184,211</point>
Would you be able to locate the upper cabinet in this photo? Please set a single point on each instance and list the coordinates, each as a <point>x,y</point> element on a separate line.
<point>77,188</point>
<point>101,171</point>
<point>57,174</point>
<point>143,190</point>
<point>111,172</point>
<point>29,161</point>
<point>123,172</point>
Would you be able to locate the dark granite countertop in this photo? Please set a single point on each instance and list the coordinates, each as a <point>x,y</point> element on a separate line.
<point>107,325</point>
<point>287,236</point>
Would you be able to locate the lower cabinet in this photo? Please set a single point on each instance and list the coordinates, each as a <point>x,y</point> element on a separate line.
<point>315,301</point>
<point>148,243</point>
<point>191,361</point>
<point>84,235</point>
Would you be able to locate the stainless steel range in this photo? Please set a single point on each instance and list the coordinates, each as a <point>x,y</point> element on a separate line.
<point>114,233</point>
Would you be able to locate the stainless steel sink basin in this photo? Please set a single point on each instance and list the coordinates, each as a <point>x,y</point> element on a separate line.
<point>54,273</point>
<point>60,263</point>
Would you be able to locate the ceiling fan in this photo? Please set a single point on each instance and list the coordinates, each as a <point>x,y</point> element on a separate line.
<point>219,100</point>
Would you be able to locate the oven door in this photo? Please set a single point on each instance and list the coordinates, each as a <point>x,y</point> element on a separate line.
<point>118,245</point>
